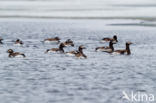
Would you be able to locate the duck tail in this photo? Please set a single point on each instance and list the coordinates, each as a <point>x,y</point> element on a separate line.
<point>23,55</point>
<point>47,51</point>
<point>96,48</point>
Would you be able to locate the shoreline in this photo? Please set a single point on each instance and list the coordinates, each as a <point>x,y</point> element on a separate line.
<point>90,18</point>
<point>117,21</point>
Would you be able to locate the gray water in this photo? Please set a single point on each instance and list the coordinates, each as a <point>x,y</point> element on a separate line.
<point>58,78</point>
<point>91,9</point>
<point>143,10</point>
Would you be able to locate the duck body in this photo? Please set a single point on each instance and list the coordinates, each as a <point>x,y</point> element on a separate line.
<point>109,48</point>
<point>52,40</point>
<point>79,53</point>
<point>114,39</point>
<point>18,42</point>
<point>69,42</point>
<point>15,54</point>
<point>71,53</point>
<point>60,49</point>
<point>119,52</point>
<point>103,49</point>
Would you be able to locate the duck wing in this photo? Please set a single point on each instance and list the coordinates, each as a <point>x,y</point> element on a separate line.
<point>107,39</point>
<point>120,51</point>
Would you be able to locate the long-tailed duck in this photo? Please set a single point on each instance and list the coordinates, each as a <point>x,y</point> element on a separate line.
<point>52,40</point>
<point>78,53</point>
<point>15,54</point>
<point>60,49</point>
<point>109,48</point>
<point>124,51</point>
<point>69,42</point>
<point>114,39</point>
<point>18,42</point>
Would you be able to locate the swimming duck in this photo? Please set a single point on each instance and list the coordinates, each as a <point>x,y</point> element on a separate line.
<point>15,54</point>
<point>18,42</point>
<point>69,42</point>
<point>78,53</point>
<point>124,51</point>
<point>72,53</point>
<point>109,48</point>
<point>114,39</point>
<point>1,40</point>
<point>60,49</point>
<point>52,40</point>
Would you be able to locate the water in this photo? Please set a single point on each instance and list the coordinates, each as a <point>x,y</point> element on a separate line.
<point>57,78</point>
<point>140,9</point>
<point>81,9</point>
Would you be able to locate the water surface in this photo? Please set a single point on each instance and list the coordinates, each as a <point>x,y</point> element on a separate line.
<point>57,78</point>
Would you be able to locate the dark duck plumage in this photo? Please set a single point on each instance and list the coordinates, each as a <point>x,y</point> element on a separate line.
<point>15,54</point>
<point>124,51</point>
<point>79,53</point>
<point>52,40</point>
<point>60,49</point>
<point>1,40</point>
<point>114,39</point>
<point>69,42</point>
<point>19,42</point>
<point>109,48</point>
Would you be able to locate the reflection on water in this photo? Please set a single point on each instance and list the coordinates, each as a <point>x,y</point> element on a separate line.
<point>57,78</point>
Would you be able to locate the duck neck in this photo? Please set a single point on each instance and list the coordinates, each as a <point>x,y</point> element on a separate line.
<point>111,46</point>
<point>128,50</point>
<point>116,40</point>
<point>61,48</point>
<point>10,54</point>
<point>80,50</point>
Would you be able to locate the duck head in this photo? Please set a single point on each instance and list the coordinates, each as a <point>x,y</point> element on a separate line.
<point>70,42</point>
<point>129,43</point>
<point>10,51</point>
<point>57,38</point>
<point>82,47</point>
<point>115,38</point>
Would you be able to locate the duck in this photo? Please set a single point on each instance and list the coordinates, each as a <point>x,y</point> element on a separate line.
<point>109,48</point>
<point>72,53</point>
<point>15,54</point>
<point>124,51</point>
<point>114,39</point>
<point>69,42</point>
<point>79,53</point>
<point>52,40</point>
<point>1,40</point>
<point>18,42</point>
<point>60,49</point>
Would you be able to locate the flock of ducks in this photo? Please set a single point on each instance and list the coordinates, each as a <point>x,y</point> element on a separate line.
<point>110,48</point>
<point>78,53</point>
